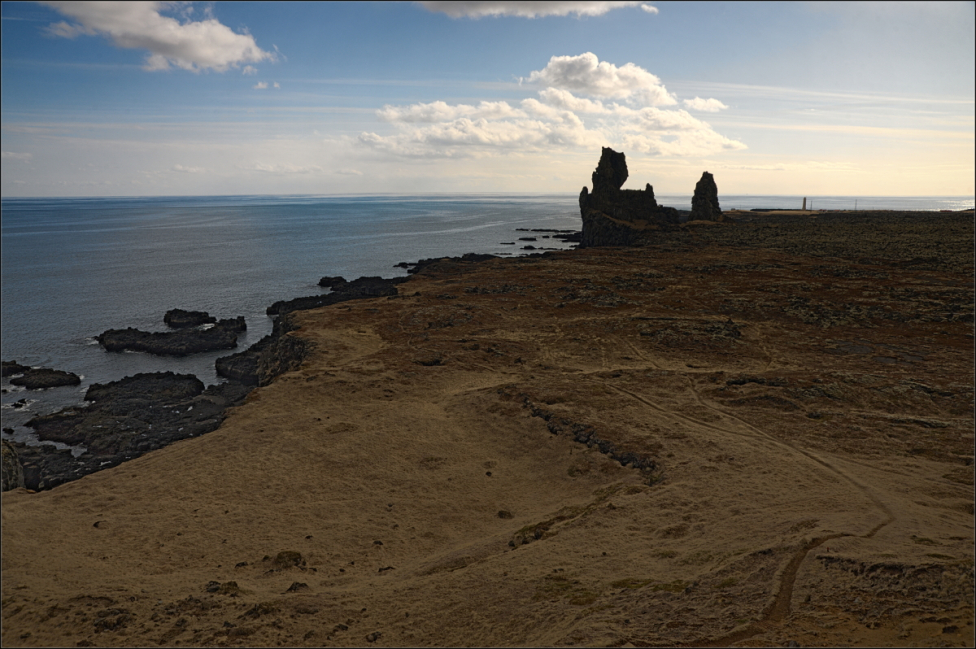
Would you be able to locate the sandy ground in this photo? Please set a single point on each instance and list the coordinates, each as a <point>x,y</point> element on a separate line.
<point>803,479</point>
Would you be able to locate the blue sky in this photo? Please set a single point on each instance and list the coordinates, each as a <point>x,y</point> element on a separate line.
<point>104,99</point>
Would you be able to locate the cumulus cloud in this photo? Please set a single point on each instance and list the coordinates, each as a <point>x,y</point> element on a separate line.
<point>191,45</point>
<point>704,105</point>
<point>588,75</point>
<point>651,9</point>
<point>557,119</point>
<point>348,172</point>
<point>260,85</point>
<point>440,111</point>
<point>525,9</point>
<point>276,84</point>
<point>249,70</point>
<point>465,137</point>
<point>566,100</point>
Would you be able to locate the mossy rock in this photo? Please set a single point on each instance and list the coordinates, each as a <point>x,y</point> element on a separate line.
<point>288,559</point>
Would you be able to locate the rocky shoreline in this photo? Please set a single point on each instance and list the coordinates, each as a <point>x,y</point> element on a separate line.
<point>125,419</point>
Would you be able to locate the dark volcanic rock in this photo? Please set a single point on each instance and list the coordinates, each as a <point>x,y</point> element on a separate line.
<point>271,356</point>
<point>10,368</point>
<point>704,203</point>
<point>163,386</point>
<point>457,264</point>
<point>42,378</point>
<point>619,217</point>
<point>332,282</point>
<point>180,319</point>
<point>125,419</point>
<point>363,287</point>
<point>122,410</point>
<point>181,342</point>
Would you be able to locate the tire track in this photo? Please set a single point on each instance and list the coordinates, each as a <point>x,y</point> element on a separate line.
<point>779,608</point>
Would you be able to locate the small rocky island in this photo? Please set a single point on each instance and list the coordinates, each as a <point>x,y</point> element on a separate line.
<point>196,332</point>
<point>40,378</point>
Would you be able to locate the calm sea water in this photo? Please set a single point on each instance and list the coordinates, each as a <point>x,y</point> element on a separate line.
<point>72,268</point>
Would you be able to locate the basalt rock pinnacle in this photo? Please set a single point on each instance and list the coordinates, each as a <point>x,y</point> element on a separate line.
<point>619,217</point>
<point>704,203</point>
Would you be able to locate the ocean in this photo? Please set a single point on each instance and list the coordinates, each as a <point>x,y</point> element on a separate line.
<point>72,268</point>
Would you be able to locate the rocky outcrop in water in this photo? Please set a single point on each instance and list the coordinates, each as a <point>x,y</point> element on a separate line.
<point>704,202</point>
<point>40,378</point>
<point>10,368</point>
<point>619,217</point>
<point>180,319</point>
<point>182,342</point>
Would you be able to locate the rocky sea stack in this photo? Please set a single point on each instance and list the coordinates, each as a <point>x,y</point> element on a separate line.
<point>619,217</point>
<point>704,203</point>
<point>626,217</point>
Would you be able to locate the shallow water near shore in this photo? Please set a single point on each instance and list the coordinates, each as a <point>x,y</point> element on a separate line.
<point>73,268</point>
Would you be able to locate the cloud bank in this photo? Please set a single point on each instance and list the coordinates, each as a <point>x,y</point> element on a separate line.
<point>641,121</point>
<point>192,45</point>
<point>525,9</point>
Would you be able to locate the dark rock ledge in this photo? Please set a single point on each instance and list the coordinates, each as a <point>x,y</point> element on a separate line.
<point>342,291</point>
<point>39,378</point>
<point>182,342</point>
<point>180,319</point>
<point>123,420</point>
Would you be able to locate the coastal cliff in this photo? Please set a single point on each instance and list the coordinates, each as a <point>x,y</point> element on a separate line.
<point>750,435</point>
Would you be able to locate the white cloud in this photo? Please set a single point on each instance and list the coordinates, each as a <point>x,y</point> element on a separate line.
<point>669,120</point>
<point>10,155</point>
<point>277,85</point>
<point>348,172</point>
<point>588,75</point>
<point>705,105</point>
<point>188,170</point>
<point>651,9</point>
<point>249,70</point>
<point>565,99</point>
<point>439,111</point>
<point>557,120</point>
<point>525,9</point>
<point>260,85</point>
<point>191,45</point>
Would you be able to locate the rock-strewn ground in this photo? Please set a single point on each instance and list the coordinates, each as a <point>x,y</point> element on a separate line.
<point>744,434</point>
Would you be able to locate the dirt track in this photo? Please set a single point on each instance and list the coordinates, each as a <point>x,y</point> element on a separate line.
<point>798,432</point>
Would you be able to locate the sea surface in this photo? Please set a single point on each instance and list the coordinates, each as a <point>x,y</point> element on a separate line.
<point>72,268</point>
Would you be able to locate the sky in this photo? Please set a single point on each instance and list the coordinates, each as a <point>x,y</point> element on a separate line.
<point>194,98</point>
